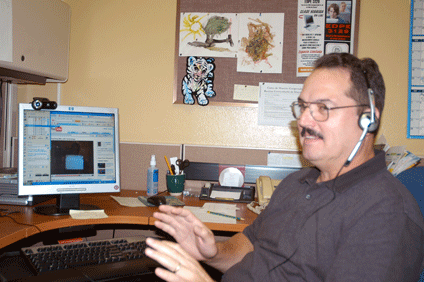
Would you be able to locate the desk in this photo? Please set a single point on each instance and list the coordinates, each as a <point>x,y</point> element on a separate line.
<point>11,232</point>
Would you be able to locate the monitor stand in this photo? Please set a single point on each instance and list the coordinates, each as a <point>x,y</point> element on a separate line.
<point>64,203</point>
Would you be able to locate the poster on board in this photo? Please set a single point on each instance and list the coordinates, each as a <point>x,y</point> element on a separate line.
<point>323,27</point>
<point>208,34</point>
<point>261,42</point>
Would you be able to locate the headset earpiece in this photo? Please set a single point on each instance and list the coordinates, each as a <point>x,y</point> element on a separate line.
<point>365,122</point>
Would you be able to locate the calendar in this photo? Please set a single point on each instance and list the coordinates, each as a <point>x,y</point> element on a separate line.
<point>416,71</point>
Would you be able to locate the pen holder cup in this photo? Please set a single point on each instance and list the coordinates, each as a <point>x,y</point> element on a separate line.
<point>175,184</point>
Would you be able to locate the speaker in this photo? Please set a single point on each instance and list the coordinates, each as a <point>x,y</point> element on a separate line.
<point>365,122</point>
<point>43,103</point>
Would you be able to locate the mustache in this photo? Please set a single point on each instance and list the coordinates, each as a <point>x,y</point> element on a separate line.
<point>310,132</point>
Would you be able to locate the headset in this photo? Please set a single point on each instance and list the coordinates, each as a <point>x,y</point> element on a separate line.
<point>367,121</point>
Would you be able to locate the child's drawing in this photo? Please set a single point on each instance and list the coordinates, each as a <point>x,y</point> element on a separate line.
<point>261,43</point>
<point>208,34</point>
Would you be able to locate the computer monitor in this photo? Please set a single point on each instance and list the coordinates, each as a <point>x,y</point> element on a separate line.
<point>66,152</point>
<point>309,19</point>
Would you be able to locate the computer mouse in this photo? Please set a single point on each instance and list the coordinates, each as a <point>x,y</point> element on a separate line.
<point>157,200</point>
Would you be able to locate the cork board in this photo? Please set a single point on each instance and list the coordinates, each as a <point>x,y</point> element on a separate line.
<point>225,75</point>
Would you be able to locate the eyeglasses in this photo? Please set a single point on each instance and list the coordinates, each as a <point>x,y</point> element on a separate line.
<point>319,111</point>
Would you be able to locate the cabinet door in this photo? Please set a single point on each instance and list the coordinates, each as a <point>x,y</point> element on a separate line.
<point>39,32</point>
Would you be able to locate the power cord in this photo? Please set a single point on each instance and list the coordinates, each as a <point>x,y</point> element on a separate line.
<point>8,213</point>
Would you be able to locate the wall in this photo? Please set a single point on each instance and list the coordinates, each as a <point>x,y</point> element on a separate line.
<point>122,55</point>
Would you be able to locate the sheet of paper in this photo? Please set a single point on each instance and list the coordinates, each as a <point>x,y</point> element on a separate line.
<point>89,214</point>
<point>202,214</point>
<point>395,153</point>
<point>128,201</point>
<point>274,103</point>
<point>225,194</point>
<point>216,207</point>
<point>192,38</point>
<point>267,55</point>
<point>285,160</point>
<point>246,92</point>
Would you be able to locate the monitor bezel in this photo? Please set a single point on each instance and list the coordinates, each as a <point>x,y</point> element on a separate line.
<point>64,189</point>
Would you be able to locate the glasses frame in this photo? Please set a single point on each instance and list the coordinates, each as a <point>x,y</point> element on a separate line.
<point>316,103</point>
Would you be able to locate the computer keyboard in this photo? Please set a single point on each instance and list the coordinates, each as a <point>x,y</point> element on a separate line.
<point>124,255</point>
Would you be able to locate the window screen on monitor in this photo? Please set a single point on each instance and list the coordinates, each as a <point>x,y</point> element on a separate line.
<point>67,152</point>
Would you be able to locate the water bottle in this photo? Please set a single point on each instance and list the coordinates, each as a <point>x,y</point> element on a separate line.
<point>152,177</point>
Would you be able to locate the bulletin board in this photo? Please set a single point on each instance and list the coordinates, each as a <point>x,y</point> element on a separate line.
<point>225,75</point>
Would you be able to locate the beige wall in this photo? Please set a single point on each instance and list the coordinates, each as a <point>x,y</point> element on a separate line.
<point>122,55</point>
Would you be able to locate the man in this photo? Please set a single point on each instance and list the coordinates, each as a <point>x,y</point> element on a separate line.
<point>343,7</point>
<point>344,12</point>
<point>346,219</point>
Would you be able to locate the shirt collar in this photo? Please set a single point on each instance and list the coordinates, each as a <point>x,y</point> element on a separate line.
<point>350,178</point>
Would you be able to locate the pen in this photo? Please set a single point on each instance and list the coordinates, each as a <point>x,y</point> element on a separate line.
<point>226,215</point>
<point>169,167</point>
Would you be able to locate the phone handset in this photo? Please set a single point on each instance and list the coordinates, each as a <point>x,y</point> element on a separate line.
<point>265,186</point>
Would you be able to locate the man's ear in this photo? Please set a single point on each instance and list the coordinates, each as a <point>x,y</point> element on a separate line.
<point>377,114</point>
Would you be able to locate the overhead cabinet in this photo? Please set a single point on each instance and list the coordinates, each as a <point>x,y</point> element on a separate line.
<point>34,40</point>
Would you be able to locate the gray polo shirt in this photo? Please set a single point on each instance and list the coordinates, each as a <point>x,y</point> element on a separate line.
<point>363,226</point>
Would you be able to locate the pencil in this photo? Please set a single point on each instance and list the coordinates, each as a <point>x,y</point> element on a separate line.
<point>226,215</point>
<point>169,167</point>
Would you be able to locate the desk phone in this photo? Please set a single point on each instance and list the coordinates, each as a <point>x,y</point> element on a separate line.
<point>265,186</point>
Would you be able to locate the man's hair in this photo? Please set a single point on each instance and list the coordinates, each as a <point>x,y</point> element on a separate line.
<point>335,8</point>
<point>358,69</point>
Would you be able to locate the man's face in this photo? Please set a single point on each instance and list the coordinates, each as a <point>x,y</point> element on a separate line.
<point>342,7</point>
<point>331,141</point>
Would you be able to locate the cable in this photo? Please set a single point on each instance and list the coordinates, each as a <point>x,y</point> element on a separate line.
<point>20,223</point>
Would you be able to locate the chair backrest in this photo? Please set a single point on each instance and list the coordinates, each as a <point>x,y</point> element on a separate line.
<point>413,179</point>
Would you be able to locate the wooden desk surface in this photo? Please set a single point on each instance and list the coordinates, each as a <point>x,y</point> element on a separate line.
<point>243,211</point>
<point>32,223</point>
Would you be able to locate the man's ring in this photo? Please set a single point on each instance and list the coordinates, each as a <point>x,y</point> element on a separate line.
<point>177,268</point>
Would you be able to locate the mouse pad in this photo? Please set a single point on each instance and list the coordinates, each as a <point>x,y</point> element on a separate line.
<point>170,200</point>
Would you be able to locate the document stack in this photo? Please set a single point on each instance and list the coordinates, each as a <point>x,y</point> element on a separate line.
<point>398,159</point>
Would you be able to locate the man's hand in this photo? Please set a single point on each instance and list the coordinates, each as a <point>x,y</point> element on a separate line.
<point>192,235</point>
<point>179,265</point>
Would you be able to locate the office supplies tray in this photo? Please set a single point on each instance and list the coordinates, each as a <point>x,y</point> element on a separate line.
<point>228,194</point>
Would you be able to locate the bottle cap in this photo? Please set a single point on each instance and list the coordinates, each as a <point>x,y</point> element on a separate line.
<point>153,160</point>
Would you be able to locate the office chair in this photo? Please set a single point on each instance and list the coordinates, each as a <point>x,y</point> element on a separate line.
<point>413,179</point>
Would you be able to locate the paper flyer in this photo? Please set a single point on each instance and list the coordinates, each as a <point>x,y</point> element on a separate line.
<point>323,27</point>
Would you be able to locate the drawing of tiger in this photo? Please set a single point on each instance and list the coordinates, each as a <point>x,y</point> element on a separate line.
<point>198,81</point>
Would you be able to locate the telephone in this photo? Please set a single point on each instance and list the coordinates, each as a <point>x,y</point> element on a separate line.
<point>265,186</point>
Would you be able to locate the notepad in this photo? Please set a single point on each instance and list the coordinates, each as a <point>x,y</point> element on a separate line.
<point>87,214</point>
<point>202,212</point>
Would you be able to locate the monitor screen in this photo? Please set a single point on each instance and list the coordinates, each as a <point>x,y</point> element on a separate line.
<point>309,19</point>
<point>68,151</point>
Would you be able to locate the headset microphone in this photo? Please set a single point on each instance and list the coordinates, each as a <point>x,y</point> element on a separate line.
<point>367,122</point>
<point>355,150</point>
